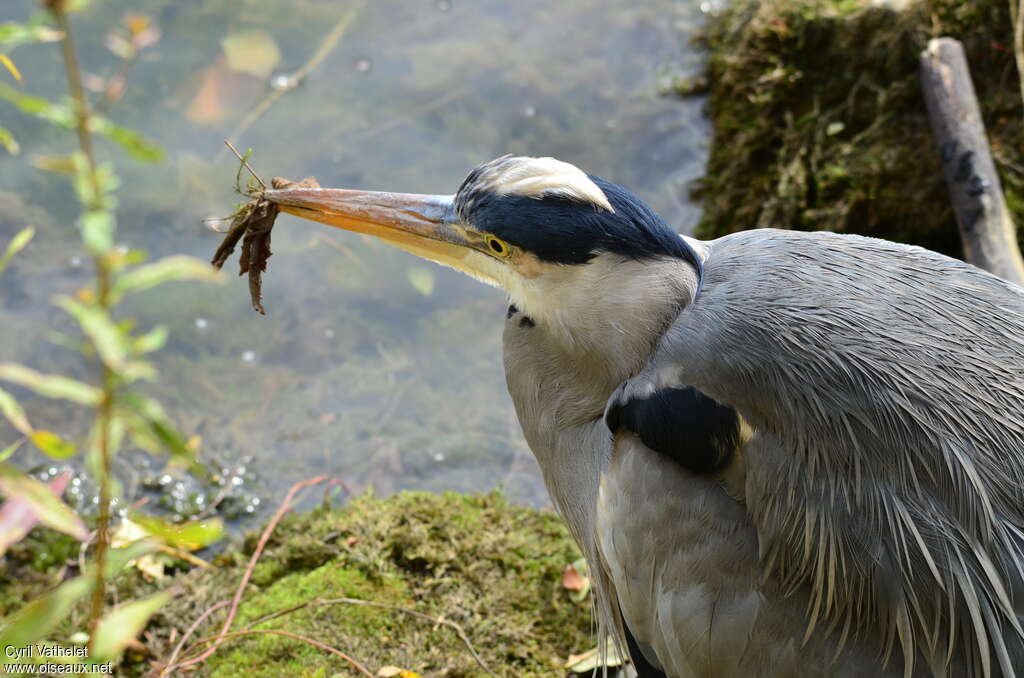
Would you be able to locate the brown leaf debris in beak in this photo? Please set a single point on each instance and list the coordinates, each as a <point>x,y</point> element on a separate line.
<point>252,224</point>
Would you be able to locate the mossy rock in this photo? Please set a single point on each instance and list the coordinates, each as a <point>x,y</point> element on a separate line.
<point>819,121</point>
<point>475,560</point>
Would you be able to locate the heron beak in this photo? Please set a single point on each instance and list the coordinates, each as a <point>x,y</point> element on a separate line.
<point>420,224</point>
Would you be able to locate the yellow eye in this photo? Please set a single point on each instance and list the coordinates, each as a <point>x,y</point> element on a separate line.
<point>498,246</point>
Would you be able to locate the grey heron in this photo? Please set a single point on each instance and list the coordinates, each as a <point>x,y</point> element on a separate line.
<point>782,453</point>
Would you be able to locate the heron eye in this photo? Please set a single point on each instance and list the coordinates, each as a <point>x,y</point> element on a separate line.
<point>498,246</point>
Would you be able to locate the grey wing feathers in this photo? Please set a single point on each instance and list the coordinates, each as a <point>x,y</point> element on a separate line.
<point>894,378</point>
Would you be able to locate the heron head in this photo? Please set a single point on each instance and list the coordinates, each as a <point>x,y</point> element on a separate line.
<point>529,225</point>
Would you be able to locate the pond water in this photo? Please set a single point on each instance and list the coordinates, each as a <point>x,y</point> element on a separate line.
<point>371,365</point>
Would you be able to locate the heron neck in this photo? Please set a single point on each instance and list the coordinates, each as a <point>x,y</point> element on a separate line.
<point>585,336</point>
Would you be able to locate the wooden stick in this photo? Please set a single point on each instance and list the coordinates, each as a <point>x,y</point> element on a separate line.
<point>986,229</point>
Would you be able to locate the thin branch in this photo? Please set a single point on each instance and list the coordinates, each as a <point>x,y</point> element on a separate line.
<point>264,538</point>
<point>384,606</point>
<point>188,634</point>
<point>329,42</point>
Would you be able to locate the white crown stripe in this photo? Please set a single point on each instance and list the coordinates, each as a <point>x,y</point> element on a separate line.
<point>537,177</point>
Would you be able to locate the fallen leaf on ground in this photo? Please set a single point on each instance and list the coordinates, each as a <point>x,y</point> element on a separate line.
<point>591,659</point>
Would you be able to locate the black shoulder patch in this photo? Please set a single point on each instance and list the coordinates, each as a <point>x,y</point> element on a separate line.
<point>681,423</point>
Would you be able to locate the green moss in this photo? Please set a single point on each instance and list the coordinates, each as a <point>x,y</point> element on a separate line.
<point>493,568</point>
<point>819,120</point>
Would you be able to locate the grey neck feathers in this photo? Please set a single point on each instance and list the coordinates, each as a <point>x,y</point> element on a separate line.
<point>595,325</point>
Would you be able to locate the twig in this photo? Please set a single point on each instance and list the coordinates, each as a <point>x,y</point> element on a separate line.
<point>395,608</point>
<point>294,636</point>
<point>245,162</point>
<point>329,42</point>
<point>188,634</point>
<point>264,538</point>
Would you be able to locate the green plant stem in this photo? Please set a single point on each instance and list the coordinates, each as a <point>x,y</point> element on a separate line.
<point>74,76</point>
<point>105,410</point>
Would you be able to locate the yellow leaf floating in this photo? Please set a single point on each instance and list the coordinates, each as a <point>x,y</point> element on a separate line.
<point>252,52</point>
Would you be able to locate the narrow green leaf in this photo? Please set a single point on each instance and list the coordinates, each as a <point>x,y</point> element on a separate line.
<point>8,141</point>
<point>153,340</point>
<point>12,409</point>
<point>190,536</point>
<point>177,267</point>
<point>58,114</point>
<point>6,453</point>
<point>98,228</point>
<point>51,385</point>
<point>136,145</point>
<point>150,416</point>
<point>52,444</point>
<point>17,244</point>
<point>37,619</point>
<point>110,342</point>
<point>121,625</point>
<point>36,29</point>
<point>51,510</point>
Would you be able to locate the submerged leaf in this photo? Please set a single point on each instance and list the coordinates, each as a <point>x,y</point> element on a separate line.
<point>422,280</point>
<point>123,624</point>
<point>253,52</point>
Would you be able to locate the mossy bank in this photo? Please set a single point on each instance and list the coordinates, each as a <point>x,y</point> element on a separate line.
<point>492,568</point>
<point>819,121</point>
